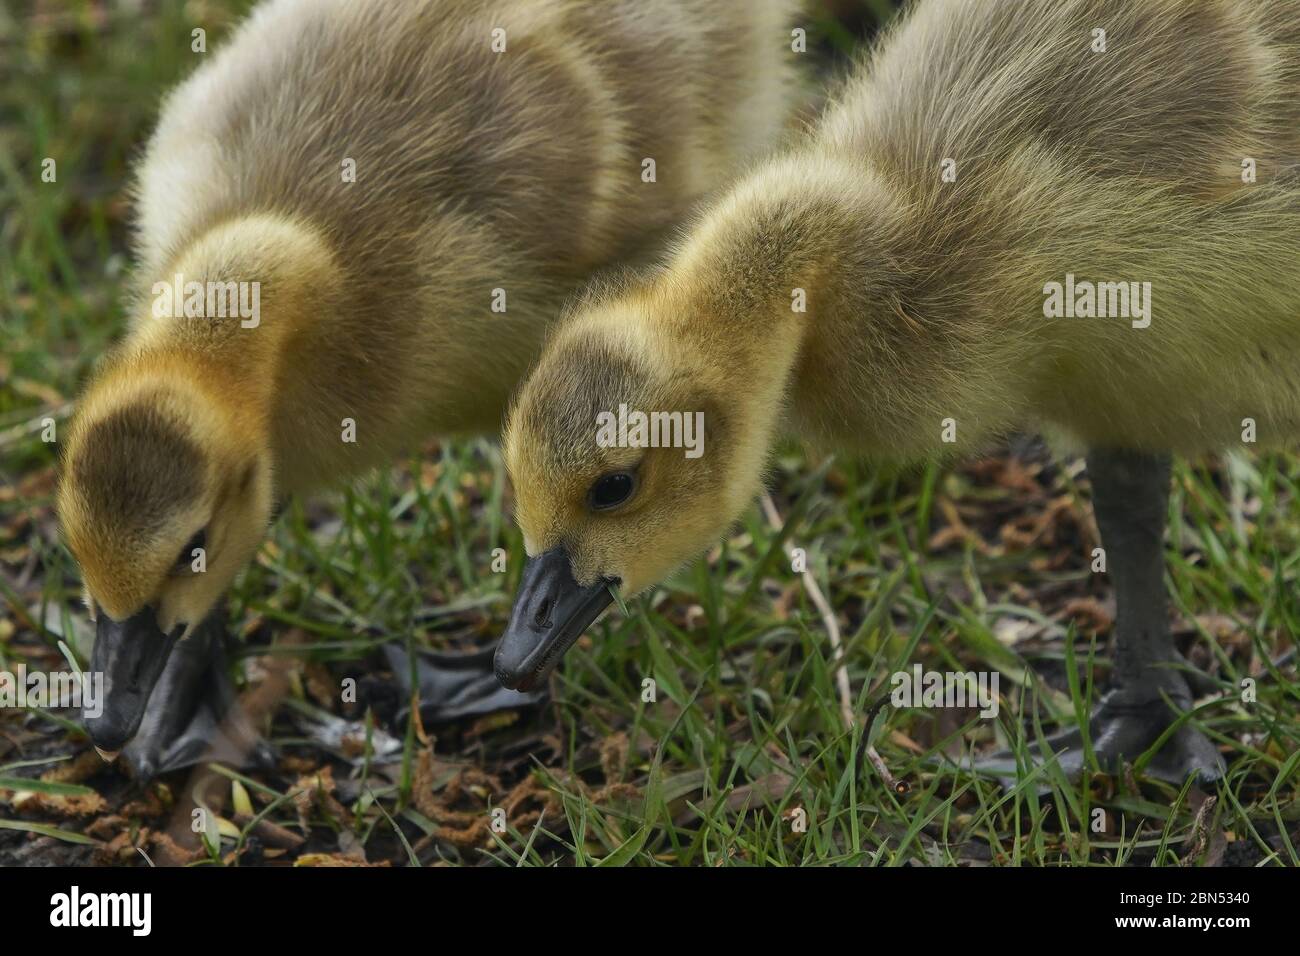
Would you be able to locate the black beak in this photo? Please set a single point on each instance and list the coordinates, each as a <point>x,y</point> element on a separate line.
<point>551,612</point>
<point>130,654</point>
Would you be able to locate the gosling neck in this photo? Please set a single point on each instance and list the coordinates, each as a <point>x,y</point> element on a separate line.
<point>225,310</point>
<point>771,262</point>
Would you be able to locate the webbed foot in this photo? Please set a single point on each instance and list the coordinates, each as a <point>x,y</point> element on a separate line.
<point>193,714</point>
<point>454,686</point>
<point>1122,729</point>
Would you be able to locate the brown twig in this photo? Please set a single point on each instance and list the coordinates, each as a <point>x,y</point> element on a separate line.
<point>15,434</point>
<point>829,621</point>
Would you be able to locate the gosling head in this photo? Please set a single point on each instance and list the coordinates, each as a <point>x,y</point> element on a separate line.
<point>163,498</point>
<point>629,456</point>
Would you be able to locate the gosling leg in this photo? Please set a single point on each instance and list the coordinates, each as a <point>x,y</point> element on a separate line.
<point>1130,498</point>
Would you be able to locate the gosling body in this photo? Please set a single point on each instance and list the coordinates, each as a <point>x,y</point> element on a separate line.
<point>927,297</point>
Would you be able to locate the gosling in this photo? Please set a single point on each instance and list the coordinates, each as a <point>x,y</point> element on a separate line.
<point>899,280</point>
<point>354,224</point>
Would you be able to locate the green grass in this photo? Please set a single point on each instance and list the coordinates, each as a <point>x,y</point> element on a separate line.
<point>745,729</point>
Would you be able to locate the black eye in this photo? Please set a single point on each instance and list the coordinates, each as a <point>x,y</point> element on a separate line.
<point>186,557</point>
<point>611,490</point>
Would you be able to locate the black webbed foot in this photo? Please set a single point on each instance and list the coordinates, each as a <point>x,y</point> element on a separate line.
<point>1122,729</point>
<point>193,715</point>
<point>454,686</point>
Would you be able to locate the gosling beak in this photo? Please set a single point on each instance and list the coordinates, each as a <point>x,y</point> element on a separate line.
<point>130,654</point>
<point>551,612</point>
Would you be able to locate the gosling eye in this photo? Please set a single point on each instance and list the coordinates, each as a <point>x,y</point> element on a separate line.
<point>610,491</point>
<point>186,558</point>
